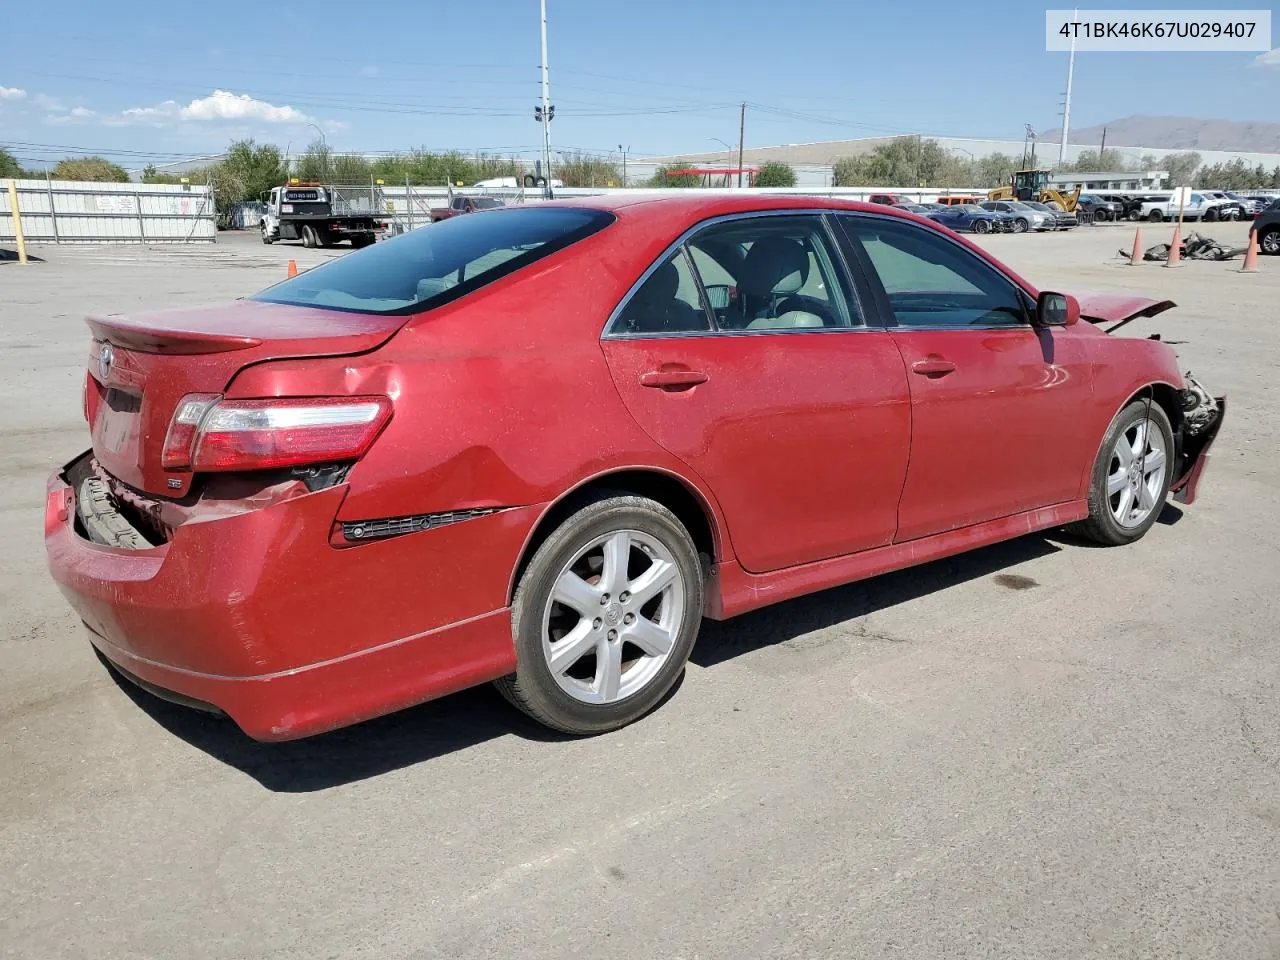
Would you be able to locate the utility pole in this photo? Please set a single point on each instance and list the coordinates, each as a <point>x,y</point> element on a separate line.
<point>1066,102</point>
<point>624,150</point>
<point>546,107</point>
<point>742,130</point>
<point>1102,149</point>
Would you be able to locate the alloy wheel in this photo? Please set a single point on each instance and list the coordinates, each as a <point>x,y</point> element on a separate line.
<point>1135,476</point>
<point>613,616</point>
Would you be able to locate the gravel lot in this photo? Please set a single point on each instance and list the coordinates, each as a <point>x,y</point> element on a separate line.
<point>1038,750</point>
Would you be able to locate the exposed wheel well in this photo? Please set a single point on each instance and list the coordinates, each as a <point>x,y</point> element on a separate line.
<point>1166,397</point>
<point>659,487</point>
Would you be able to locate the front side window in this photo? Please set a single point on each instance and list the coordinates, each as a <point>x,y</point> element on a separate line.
<point>434,265</point>
<point>931,281</point>
<point>772,273</point>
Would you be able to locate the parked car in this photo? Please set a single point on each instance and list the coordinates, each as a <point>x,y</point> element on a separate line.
<point>890,199</point>
<point>1101,208</point>
<point>376,483</point>
<point>1060,219</point>
<point>1024,217</point>
<point>1267,229</point>
<point>1221,206</point>
<point>1200,205</point>
<point>461,205</point>
<point>1131,204</point>
<point>1250,206</point>
<point>964,217</point>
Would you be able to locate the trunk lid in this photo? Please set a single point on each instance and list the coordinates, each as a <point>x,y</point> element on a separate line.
<point>141,365</point>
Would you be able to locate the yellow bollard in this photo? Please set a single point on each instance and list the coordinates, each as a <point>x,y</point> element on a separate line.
<point>17,221</point>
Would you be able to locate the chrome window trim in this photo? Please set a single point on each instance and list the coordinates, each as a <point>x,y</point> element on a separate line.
<point>821,212</point>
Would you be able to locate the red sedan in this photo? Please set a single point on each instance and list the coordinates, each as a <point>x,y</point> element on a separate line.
<point>537,447</point>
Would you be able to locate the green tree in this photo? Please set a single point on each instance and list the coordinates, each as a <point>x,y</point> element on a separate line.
<point>665,176</point>
<point>995,170</point>
<point>775,174</point>
<point>580,170</point>
<point>255,167</point>
<point>316,163</point>
<point>96,169</point>
<point>351,168</point>
<point>9,165</point>
<point>1182,167</point>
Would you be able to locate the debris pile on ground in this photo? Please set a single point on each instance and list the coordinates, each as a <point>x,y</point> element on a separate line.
<point>1194,247</point>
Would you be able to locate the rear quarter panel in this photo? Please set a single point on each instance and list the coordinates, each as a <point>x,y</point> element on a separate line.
<point>500,399</point>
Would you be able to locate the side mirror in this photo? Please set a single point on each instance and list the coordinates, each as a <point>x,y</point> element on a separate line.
<point>1056,310</point>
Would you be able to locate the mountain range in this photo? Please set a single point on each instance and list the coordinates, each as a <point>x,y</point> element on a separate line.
<point>1179,133</point>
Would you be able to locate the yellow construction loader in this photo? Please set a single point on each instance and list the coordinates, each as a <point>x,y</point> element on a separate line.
<point>1034,185</point>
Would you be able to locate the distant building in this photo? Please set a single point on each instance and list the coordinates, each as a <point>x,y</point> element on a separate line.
<point>1147,180</point>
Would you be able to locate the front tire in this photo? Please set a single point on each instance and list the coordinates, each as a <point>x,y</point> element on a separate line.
<point>605,616</point>
<point>1021,225</point>
<point>1131,476</point>
<point>981,226</point>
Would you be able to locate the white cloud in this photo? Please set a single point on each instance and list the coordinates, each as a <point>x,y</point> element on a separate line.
<point>219,105</point>
<point>12,93</point>
<point>1269,59</point>
<point>68,117</point>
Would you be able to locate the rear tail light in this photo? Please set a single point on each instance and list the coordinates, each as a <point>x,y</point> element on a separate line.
<point>182,429</point>
<point>209,434</point>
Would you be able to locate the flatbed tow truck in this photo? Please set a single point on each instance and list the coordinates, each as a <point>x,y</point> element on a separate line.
<point>321,215</point>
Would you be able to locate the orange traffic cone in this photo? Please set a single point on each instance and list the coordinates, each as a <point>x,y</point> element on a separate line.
<point>293,268</point>
<point>1135,258</point>
<point>1251,256</point>
<point>1175,249</point>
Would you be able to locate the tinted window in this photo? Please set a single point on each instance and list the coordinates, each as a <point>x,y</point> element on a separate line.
<point>931,281</point>
<point>772,273</point>
<point>438,263</point>
<point>667,302</point>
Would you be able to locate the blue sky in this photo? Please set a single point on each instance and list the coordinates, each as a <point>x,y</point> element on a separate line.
<point>658,77</point>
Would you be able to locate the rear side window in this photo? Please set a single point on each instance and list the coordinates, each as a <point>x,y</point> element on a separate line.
<point>438,263</point>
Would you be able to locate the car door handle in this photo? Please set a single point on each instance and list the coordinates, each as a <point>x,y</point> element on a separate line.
<point>672,379</point>
<point>933,367</point>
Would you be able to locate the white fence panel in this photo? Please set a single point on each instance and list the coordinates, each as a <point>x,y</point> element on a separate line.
<point>67,211</point>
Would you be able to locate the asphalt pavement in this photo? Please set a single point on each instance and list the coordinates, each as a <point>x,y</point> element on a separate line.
<point>1041,749</point>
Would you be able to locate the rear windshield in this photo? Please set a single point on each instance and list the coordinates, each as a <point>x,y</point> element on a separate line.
<point>438,263</point>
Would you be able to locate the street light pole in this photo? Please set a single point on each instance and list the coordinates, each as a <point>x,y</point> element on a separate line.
<point>729,147</point>
<point>546,106</point>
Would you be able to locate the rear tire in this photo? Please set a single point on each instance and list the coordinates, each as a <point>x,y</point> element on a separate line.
<point>1127,491</point>
<point>309,238</point>
<point>600,658</point>
<point>266,235</point>
<point>1269,241</point>
<point>1155,216</point>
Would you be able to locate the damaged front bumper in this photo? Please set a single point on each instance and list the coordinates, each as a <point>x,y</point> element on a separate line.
<point>1202,415</point>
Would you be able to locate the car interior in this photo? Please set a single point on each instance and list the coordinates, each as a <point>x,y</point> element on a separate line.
<point>754,276</point>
